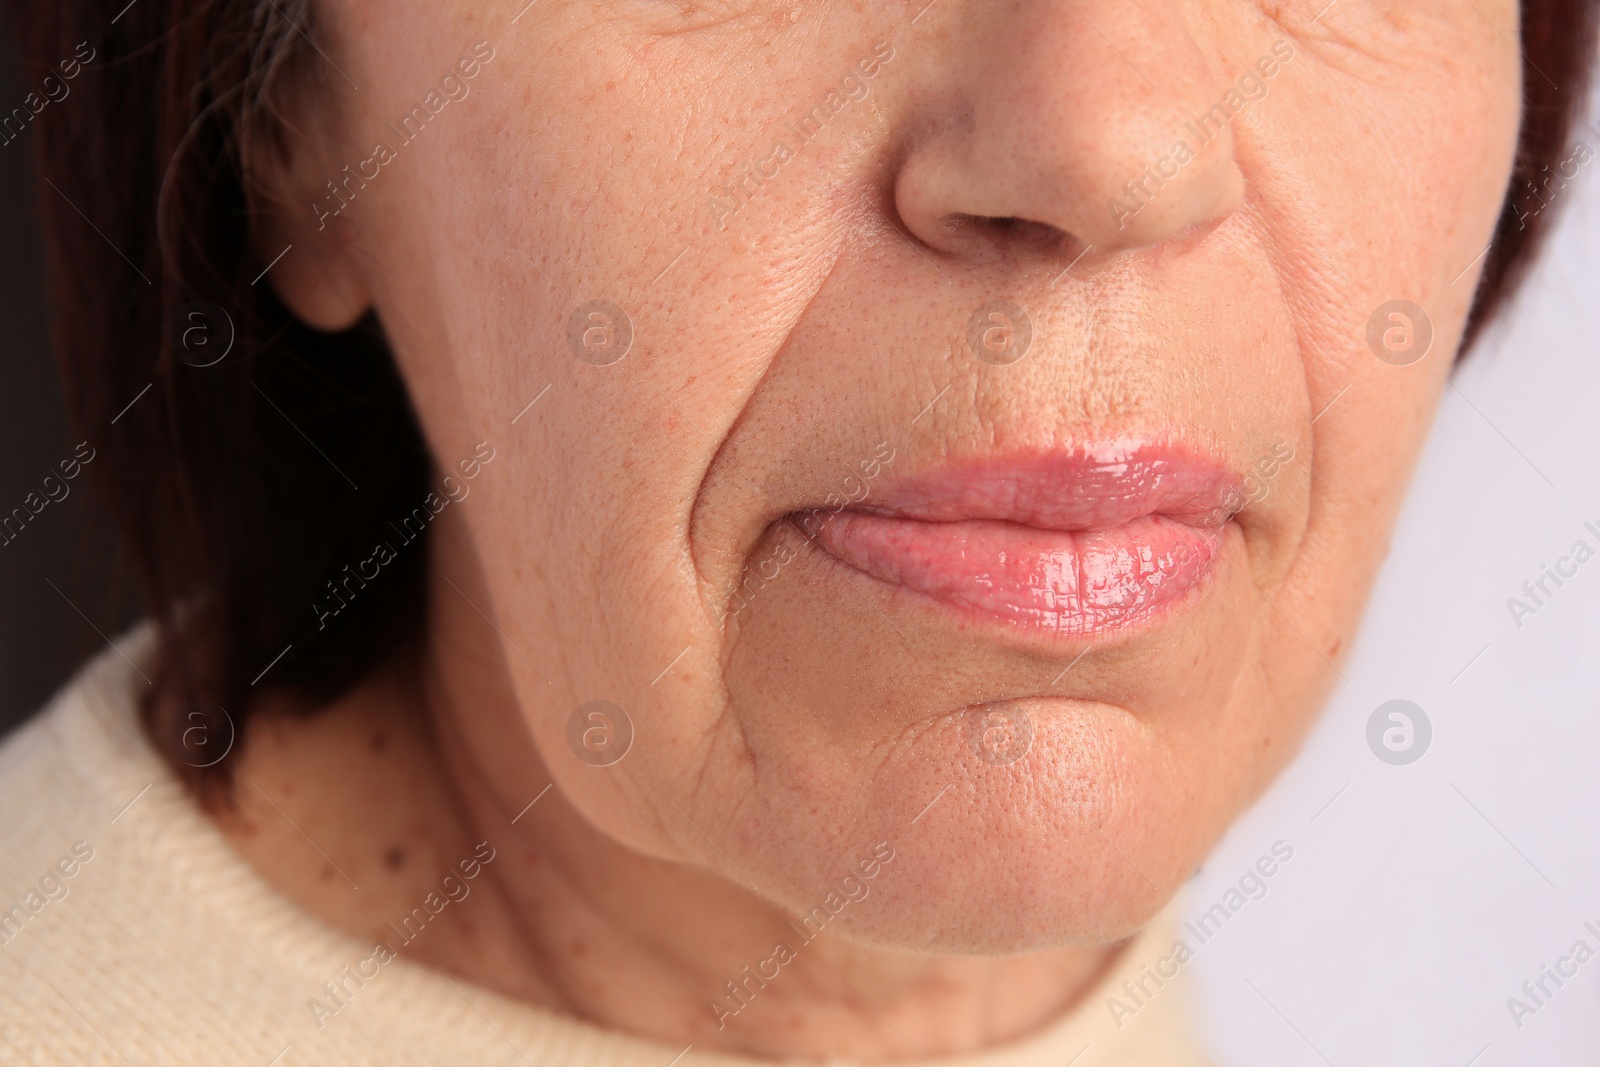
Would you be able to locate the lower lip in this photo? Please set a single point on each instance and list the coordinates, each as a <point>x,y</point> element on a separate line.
<point>1080,583</point>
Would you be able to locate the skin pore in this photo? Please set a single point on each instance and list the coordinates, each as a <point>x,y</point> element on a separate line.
<point>797,316</point>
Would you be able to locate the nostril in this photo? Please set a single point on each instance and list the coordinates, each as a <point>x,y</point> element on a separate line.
<point>1027,231</point>
<point>1017,235</point>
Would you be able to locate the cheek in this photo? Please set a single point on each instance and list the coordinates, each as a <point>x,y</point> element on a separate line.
<point>1380,178</point>
<point>579,523</point>
<point>1377,185</point>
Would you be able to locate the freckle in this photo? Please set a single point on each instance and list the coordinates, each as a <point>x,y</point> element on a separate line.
<point>1337,645</point>
<point>327,872</point>
<point>395,858</point>
<point>379,742</point>
<point>287,789</point>
<point>579,949</point>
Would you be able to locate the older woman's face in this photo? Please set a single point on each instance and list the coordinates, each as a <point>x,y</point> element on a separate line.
<point>964,425</point>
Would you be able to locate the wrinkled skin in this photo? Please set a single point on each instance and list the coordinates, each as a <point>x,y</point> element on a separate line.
<point>779,343</point>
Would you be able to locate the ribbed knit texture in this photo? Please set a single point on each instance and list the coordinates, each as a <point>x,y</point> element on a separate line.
<point>167,948</point>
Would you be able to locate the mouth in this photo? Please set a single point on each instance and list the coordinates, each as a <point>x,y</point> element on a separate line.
<point>1074,544</point>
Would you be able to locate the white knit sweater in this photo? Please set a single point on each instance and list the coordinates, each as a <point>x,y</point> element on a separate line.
<point>132,934</point>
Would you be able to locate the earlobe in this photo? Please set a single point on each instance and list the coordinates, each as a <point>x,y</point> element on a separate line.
<point>314,266</point>
<point>317,276</point>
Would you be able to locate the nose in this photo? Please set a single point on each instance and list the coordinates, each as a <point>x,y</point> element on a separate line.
<point>1079,123</point>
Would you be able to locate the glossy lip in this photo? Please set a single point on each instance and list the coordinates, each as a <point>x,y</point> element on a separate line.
<point>1070,543</point>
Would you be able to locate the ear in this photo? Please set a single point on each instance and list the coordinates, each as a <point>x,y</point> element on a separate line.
<point>301,227</point>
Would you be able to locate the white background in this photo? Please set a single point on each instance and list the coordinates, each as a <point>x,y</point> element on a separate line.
<point>1425,895</point>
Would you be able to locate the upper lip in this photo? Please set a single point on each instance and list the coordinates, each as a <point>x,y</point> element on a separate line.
<point>1085,488</point>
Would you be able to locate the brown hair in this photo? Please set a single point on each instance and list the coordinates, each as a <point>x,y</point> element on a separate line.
<point>244,488</point>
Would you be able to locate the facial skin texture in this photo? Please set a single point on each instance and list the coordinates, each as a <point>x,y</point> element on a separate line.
<point>777,346</point>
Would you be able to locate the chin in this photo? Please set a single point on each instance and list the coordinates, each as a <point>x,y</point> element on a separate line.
<point>1075,835</point>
